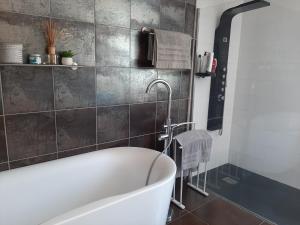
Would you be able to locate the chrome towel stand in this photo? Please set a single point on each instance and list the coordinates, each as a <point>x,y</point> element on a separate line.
<point>179,203</point>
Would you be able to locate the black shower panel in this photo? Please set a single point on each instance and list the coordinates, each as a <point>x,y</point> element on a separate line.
<point>221,50</point>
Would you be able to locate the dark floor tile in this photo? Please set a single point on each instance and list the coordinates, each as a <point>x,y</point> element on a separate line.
<point>81,10</point>
<point>27,89</point>
<point>190,18</point>
<point>114,144</point>
<point>74,89</point>
<point>3,167</point>
<point>176,212</point>
<point>77,151</point>
<point>139,49</point>
<point>27,30</point>
<point>3,149</point>
<point>172,15</point>
<point>32,7</point>
<point>112,123</point>
<point>32,161</point>
<point>162,112</point>
<point>78,37</point>
<point>145,13</point>
<point>142,119</point>
<point>113,86</point>
<point>192,199</point>
<point>188,219</point>
<point>146,141</point>
<point>30,135</point>
<point>219,212</point>
<point>173,77</point>
<point>140,79</point>
<point>76,128</point>
<point>112,46</point>
<point>113,13</point>
<point>185,84</point>
<point>256,193</point>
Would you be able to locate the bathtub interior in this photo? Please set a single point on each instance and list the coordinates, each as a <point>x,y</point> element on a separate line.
<point>40,192</point>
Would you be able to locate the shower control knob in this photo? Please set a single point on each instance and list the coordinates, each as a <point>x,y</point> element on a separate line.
<point>221,98</point>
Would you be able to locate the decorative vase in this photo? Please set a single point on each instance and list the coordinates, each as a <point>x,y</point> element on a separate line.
<point>52,56</point>
<point>67,61</point>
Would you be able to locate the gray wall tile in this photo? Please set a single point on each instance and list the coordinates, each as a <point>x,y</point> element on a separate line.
<point>81,10</point>
<point>27,89</point>
<point>190,19</point>
<point>162,112</point>
<point>145,13</point>
<point>113,86</point>
<point>30,135</point>
<point>3,150</point>
<point>113,123</point>
<point>31,7</point>
<point>113,13</point>
<point>32,161</point>
<point>185,84</point>
<point>142,119</point>
<point>172,15</point>
<point>112,46</point>
<point>76,128</point>
<point>173,77</point>
<point>3,167</point>
<point>23,29</point>
<point>78,37</point>
<point>74,89</point>
<point>140,78</point>
<point>114,144</point>
<point>146,141</point>
<point>77,151</point>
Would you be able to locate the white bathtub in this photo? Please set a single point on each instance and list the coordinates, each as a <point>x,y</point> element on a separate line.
<point>99,188</point>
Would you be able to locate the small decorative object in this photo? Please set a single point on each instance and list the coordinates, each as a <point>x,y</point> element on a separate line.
<point>35,59</point>
<point>11,53</point>
<point>74,66</point>
<point>51,36</point>
<point>67,57</point>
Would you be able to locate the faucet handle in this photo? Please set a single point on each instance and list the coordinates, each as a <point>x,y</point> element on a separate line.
<point>163,137</point>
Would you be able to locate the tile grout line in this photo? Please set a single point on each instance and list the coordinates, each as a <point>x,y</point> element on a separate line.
<point>4,122</point>
<point>130,75</point>
<point>95,75</point>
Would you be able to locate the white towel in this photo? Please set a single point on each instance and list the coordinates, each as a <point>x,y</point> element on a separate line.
<point>171,50</point>
<point>196,147</point>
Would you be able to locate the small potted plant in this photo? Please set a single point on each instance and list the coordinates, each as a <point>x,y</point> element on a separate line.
<point>67,57</point>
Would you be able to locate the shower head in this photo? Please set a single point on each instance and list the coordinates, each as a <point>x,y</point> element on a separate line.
<point>248,6</point>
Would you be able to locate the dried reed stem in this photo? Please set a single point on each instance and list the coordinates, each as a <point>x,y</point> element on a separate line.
<point>51,33</point>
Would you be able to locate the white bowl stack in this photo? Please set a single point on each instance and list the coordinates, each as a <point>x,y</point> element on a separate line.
<point>11,53</point>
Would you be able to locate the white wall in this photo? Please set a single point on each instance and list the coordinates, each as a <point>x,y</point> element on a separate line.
<point>266,122</point>
<point>210,13</point>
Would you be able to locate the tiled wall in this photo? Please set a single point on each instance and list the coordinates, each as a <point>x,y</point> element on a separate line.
<point>49,113</point>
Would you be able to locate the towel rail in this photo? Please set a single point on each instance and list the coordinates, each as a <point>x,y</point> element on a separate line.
<point>179,203</point>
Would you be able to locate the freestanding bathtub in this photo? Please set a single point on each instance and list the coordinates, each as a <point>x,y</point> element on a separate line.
<point>99,188</point>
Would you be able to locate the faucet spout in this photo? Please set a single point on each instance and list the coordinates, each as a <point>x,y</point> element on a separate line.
<point>169,89</point>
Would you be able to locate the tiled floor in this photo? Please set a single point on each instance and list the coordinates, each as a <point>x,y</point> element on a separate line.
<point>268,198</point>
<point>211,210</point>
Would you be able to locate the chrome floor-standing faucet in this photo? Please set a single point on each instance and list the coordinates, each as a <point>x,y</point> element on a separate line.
<point>167,136</point>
